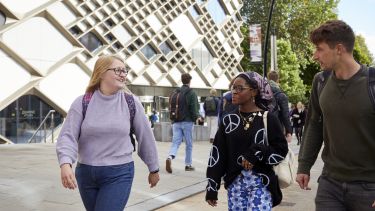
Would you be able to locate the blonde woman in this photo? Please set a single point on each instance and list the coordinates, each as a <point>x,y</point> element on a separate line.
<point>97,131</point>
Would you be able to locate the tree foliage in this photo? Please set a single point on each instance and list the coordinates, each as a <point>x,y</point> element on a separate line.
<point>292,20</point>
<point>288,67</point>
<point>361,53</point>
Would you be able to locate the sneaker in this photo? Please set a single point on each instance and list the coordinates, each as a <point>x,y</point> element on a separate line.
<point>189,168</point>
<point>168,165</point>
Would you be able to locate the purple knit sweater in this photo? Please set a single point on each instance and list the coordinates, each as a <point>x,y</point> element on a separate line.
<point>104,138</point>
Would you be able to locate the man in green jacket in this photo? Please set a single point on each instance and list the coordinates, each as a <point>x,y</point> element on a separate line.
<point>342,117</point>
<point>184,128</point>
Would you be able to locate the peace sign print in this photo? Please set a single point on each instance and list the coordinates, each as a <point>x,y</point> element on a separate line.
<point>259,137</point>
<point>214,157</point>
<point>274,159</point>
<point>212,185</point>
<point>231,121</point>
<point>265,179</point>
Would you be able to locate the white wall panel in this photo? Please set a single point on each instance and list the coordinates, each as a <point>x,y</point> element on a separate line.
<point>38,42</point>
<point>22,6</point>
<point>184,31</point>
<point>62,13</point>
<point>65,84</point>
<point>12,76</point>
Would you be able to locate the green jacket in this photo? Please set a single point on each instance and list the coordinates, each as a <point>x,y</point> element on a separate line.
<point>193,105</point>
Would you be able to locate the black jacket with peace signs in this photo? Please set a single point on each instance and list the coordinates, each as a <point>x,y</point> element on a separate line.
<point>232,143</point>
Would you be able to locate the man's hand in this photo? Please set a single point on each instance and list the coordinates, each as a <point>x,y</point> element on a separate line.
<point>68,179</point>
<point>288,137</point>
<point>303,181</point>
<point>153,179</point>
<point>213,203</point>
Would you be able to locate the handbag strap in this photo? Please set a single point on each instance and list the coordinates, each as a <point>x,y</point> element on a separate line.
<point>265,134</point>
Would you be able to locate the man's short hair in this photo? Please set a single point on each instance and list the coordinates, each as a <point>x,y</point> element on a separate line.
<point>334,32</point>
<point>273,75</point>
<point>186,78</point>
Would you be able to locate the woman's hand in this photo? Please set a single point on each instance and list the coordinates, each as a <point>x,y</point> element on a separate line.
<point>246,164</point>
<point>153,179</point>
<point>213,203</point>
<point>68,179</point>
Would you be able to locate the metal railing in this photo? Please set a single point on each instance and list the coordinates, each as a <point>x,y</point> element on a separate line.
<point>43,123</point>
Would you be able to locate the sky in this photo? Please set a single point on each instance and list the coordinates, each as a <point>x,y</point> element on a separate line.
<point>360,15</point>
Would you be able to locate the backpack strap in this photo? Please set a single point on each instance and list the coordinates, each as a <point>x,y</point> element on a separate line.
<point>265,132</point>
<point>371,85</point>
<point>85,103</point>
<point>132,109</point>
<point>322,80</point>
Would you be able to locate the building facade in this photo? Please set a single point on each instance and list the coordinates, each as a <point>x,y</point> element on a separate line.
<point>48,49</point>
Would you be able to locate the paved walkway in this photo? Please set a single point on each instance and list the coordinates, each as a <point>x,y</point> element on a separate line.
<point>30,180</point>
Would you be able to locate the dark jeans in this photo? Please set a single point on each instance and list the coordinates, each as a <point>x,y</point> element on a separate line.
<point>333,195</point>
<point>298,131</point>
<point>105,187</point>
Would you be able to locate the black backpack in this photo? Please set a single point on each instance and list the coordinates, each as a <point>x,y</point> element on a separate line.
<point>178,105</point>
<point>274,106</point>
<point>323,76</point>
<point>210,104</point>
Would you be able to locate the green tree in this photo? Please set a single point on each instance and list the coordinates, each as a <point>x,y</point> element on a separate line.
<point>361,52</point>
<point>288,66</point>
<point>292,20</point>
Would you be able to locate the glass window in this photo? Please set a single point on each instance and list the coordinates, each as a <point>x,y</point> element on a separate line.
<point>216,11</point>
<point>2,18</point>
<point>20,120</point>
<point>199,1</point>
<point>90,41</point>
<point>148,51</point>
<point>201,55</point>
<point>165,48</point>
<point>194,12</point>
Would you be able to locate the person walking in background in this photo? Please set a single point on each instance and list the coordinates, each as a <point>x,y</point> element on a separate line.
<point>183,128</point>
<point>210,106</point>
<point>98,133</point>
<point>298,119</point>
<point>153,118</point>
<point>340,115</point>
<point>239,153</point>
<point>281,110</point>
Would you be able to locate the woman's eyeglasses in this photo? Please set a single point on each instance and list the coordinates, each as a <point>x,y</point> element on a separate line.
<point>119,70</point>
<point>239,89</point>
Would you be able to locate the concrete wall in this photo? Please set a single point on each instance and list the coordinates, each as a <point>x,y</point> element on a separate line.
<point>163,132</point>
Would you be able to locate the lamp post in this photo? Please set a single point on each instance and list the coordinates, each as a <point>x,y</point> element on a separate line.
<point>267,37</point>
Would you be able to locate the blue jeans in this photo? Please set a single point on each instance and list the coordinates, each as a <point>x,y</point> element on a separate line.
<point>333,195</point>
<point>105,187</point>
<point>180,130</point>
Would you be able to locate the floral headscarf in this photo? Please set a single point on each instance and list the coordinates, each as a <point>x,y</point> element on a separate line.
<point>257,81</point>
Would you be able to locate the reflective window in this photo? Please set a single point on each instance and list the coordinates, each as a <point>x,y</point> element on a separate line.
<point>193,11</point>
<point>2,18</point>
<point>201,55</point>
<point>165,48</point>
<point>90,41</point>
<point>216,11</point>
<point>20,120</point>
<point>148,51</point>
<point>199,1</point>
